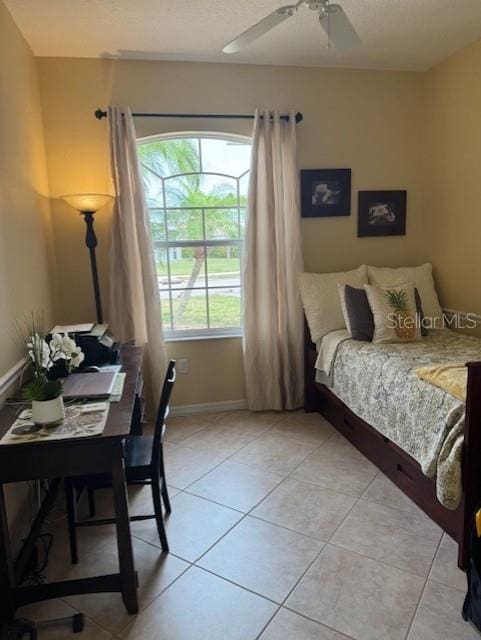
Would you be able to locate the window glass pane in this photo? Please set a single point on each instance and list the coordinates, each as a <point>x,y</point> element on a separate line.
<point>184,191</point>
<point>200,190</point>
<point>242,216</point>
<point>185,224</point>
<point>222,224</point>
<point>170,157</point>
<point>225,307</point>
<point>190,309</point>
<point>243,188</point>
<point>165,309</point>
<point>223,266</point>
<point>153,188</point>
<point>187,267</point>
<point>217,190</point>
<point>231,157</point>
<point>162,268</point>
<point>157,225</point>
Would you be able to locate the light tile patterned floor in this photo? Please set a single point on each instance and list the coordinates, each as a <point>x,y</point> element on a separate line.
<point>280,530</point>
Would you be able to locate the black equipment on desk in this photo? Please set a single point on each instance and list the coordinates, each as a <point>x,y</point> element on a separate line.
<point>98,346</point>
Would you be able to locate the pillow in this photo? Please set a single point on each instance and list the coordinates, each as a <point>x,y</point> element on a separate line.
<point>422,278</point>
<point>394,311</point>
<point>321,301</point>
<point>358,315</point>
<point>420,312</point>
<point>357,312</point>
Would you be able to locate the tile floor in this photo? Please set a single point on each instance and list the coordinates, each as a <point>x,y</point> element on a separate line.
<point>280,530</point>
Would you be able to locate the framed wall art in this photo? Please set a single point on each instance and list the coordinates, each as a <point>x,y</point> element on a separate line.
<point>381,213</point>
<point>325,193</point>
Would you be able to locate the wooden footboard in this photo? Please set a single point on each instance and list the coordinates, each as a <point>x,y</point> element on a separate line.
<point>397,465</point>
<point>471,459</point>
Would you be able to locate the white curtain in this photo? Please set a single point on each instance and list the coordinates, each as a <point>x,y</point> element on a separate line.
<point>273,321</point>
<point>134,292</point>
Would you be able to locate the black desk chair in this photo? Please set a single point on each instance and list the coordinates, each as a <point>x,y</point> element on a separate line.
<point>144,465</point>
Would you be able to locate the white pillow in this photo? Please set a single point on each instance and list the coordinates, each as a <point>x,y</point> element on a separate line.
<point>422,278</point>
<point>321,301</point>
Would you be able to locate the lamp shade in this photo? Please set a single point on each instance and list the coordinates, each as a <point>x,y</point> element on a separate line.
<point>87,201</point>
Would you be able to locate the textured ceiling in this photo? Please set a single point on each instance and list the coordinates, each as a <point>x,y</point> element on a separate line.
<point>396,34</point>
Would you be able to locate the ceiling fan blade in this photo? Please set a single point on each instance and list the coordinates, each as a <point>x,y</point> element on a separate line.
<point>259,29</point>
<point>339,29</point>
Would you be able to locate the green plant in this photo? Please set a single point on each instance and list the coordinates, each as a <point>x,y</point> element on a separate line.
<point>42,389</point>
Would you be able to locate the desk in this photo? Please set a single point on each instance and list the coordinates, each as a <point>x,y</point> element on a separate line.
<point>81,456</point>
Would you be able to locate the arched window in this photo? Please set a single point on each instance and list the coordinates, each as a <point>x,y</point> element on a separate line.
<point>196,187</point>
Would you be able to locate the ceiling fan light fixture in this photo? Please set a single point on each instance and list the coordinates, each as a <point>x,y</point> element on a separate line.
<point>338,28</point>
<point>260,28</point>
<point>332,19</point>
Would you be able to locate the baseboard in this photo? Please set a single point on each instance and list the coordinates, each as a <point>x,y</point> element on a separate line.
<point>207,407</point>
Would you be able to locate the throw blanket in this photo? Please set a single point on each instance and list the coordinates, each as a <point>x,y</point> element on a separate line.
<point>453,378</point>
<point>377,382</point>
<point>326,353</point>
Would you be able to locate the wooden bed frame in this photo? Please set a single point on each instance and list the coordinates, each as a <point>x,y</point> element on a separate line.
<point>397,465</point>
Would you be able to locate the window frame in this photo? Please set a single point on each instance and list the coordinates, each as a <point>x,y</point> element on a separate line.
<point>170,334</point>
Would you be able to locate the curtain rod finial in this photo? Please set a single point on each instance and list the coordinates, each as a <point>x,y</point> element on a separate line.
<point>99,114</point>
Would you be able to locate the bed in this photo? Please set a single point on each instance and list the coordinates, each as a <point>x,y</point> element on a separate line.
<point>426,441</point>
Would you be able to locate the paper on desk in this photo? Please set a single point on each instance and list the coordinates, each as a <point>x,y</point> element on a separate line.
<point>93,406</point>
<point>118,387</point>
<point>110,367</point>
<point>73,328</point>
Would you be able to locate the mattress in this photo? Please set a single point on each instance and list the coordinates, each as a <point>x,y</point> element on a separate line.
<point>377,382</point>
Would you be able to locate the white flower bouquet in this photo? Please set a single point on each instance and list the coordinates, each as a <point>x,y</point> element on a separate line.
<point>43,356</point>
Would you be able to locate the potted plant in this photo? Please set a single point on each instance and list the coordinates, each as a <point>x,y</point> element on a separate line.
<point>45,394</point>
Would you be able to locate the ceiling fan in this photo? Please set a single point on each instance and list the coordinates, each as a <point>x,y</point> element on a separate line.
<point>341,34</point>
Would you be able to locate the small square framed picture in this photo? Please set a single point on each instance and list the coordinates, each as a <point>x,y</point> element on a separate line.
<point>325,193</point>
<point>381,213</point>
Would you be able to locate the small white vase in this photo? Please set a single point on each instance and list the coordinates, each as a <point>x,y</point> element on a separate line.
<point>48,412</point>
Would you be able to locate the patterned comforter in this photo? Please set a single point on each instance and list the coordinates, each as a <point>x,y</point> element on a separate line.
<point>376,381</point>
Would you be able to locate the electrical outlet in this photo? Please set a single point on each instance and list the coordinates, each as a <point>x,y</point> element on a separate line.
<point>183,365</point>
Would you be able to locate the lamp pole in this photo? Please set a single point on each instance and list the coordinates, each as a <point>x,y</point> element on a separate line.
<point>91,242</point>
<point>88,204</point>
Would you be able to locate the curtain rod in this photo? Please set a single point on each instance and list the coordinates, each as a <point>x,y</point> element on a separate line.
<point>99,114</point>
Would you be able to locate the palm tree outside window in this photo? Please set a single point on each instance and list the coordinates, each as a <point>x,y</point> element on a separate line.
<point>196,189</point>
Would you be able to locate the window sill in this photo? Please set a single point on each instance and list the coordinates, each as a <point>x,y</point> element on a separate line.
<point>194,338</point>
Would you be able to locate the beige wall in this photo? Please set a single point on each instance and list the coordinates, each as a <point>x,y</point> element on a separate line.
<point>25,232</point>
<point>369,121</point>
<point>394,129</point>
<point>453,170</point>
<point>24,203</point>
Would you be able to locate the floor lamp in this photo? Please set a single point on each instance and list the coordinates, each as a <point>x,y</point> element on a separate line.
<point>87,204</point>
